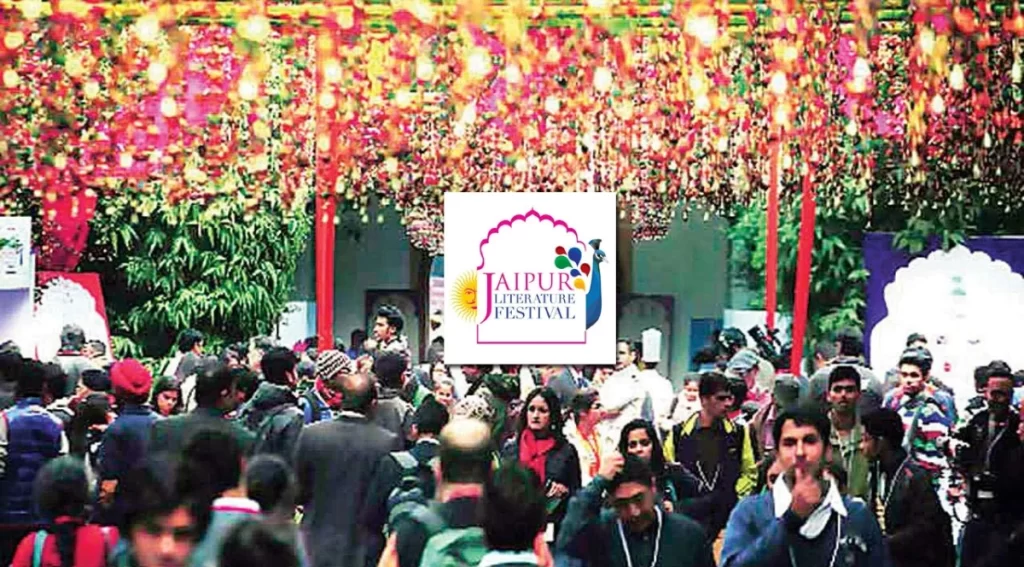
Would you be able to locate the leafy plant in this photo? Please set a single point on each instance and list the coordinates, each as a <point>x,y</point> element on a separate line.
<point>218,267</point>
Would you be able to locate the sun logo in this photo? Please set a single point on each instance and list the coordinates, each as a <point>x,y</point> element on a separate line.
<point>464,296</point>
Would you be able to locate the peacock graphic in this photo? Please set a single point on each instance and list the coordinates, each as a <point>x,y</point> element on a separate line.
<point>570,260</point>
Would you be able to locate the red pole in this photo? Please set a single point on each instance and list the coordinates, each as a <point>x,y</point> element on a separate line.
<point>772,240</point>
<point>805,248</point>
<point>324,223</point>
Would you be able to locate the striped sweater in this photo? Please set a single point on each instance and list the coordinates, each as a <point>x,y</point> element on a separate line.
<point>932,426</point>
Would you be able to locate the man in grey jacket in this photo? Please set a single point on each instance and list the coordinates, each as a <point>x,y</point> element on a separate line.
<point>335,462</point>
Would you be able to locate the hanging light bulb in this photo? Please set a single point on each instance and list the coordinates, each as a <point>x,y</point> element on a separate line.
<point>603,79</point>
<point>851,127</point>
<point>937,106</point>
<point>248,87</point>
<point>926,41</point>
<point>91,89</point>
<point>986,142</point>
<point>11,78</point>
<point>424,69</point>
<point>157,73</point>
<point>1015,71</point>
<point>13,40</point>
<point>956,78</point>
<point>512,73</point>
<point>861,69</point>
<point>332,71</point>
<point>168,107</point>
<point>779,83</point>
<point>147,28</point>
<point>478,63</point>
<point>552,105</point>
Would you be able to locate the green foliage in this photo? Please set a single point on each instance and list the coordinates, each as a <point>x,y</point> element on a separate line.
<point>844,214</point>
<point>214,267</point>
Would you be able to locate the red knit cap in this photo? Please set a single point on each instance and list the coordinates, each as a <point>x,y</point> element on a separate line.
<point>131,377</point>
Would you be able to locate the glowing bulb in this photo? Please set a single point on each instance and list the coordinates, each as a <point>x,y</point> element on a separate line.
<point>704,28</point>
<point>14,39</point>
<point>697,83</point>
<point>459,130</point>
<point>702,103</point>
<point>602,79</point>
<point>478,63</point>
<point>787,161</point>
<point>861,69</point>
<point>597,4</point>
<point>147,28</point>
<point>157,73</point>
<point>332,71</point>
<point>248,88</point>
<point>781,115</point>
<point>790,54</point>
<point>31,9</point>
<point>168,107</point>
<point>469,114</point>
<point>512,74</point>
<point>403,98</point>
<point>1015,71</point>
<point>926,41</point>
<point>956,78</point>
<point>424,69</point>
<point>327,100</point>
<point>937,106</point>
<point>11,78</point>
<point>778,84</point>
<point>73,66</point>
<point>255,28</point>
<point>126,160</point>
<point>551,105</point>
<point>987,140</point>
<point>91,89</point>
<point>915,160</point>
<point>851,127</point>
<point>722,145</point>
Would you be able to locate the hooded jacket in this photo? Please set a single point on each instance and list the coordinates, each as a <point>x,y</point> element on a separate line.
<point>274,416</point>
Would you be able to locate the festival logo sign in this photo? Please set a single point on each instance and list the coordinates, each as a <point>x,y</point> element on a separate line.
<point>529,278</point>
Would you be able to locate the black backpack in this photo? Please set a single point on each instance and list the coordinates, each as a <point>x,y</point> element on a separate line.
<point>415,489</point>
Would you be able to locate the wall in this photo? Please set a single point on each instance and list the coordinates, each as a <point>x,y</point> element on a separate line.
<point>689,264</point>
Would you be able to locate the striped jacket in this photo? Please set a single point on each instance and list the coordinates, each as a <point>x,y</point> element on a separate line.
<point>926,425</point>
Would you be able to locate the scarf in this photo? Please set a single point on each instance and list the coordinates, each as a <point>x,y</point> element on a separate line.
<point>533,452</point>
<point>330,397</point>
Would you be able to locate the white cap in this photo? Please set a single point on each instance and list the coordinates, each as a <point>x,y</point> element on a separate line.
<point>651,340</point>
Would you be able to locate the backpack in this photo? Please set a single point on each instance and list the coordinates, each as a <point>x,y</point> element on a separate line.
<point>267,440</point>
<point>414,490</point>
<point>462,547</point>
<point>314,405</point>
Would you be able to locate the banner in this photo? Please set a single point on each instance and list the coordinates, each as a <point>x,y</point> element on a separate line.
<point>17,267</point>
<point>68,298</point>
<point>967,301</point>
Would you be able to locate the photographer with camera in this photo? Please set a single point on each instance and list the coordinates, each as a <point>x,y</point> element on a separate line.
<point>989,452</point>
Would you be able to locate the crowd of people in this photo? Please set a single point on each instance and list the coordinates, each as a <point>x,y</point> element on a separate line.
<point>327,456</point>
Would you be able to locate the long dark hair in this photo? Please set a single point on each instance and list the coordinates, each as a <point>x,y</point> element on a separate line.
<point>91,411</point>
<point>165,384</point>
<point>61,489</point>
<point>554,410</point>
<point>657,454</point>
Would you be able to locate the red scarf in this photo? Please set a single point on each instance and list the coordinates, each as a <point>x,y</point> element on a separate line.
<point>332,398</point>
<point>533,452</point>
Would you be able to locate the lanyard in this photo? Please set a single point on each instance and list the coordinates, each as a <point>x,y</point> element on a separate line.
<point>657,541</point>
<point>710,486</point>
<point>835,552</point>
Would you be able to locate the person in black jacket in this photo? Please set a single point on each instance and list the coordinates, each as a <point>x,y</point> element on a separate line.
<point>541,446</point>
<point>990,455</point>
<point>273,413</point>
<point>675,484</point>
<point>905,504</point>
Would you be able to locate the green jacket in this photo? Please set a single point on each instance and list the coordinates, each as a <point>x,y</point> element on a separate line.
<point>853,462</point>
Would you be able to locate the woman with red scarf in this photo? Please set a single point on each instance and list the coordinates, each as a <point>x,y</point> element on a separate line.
<point>541,446</point>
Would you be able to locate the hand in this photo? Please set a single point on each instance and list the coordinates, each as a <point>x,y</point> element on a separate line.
<point>557,490</point>
<point>806,491</point>
<point>668,507</point>
<point>611,466</point>
<point>1020,431</point>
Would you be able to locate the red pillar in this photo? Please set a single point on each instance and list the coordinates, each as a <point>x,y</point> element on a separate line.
<point>805,249</point>
<point>325,210</point>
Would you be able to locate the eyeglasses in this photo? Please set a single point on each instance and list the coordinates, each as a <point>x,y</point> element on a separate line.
<point>634,443</point>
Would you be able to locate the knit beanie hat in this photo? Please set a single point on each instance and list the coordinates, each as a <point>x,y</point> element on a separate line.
<point>330,362</point>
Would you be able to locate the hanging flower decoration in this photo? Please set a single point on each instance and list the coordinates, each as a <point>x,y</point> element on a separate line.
<point>261,103</point>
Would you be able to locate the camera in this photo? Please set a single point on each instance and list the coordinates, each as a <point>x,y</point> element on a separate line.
<point>770,348</point>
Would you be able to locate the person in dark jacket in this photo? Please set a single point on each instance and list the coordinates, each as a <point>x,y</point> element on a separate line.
<point>273,413</point>
<point>676,485</point>
<point>34,436</point>
<point>126,441</point>
<point>395,468</point>
<point>906,506</point>
<point>990,454</point>
<point>635,532</point>
<point>392,412</point>
<point>540,445</point>
<point>513,517</point>
<point>335,462</point>
<point>216,396</point>
<point>718,452</point>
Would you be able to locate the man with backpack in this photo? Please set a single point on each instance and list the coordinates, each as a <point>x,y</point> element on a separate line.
<point>448,530</point>
<point>273,413</point>
<point>404,479</point>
